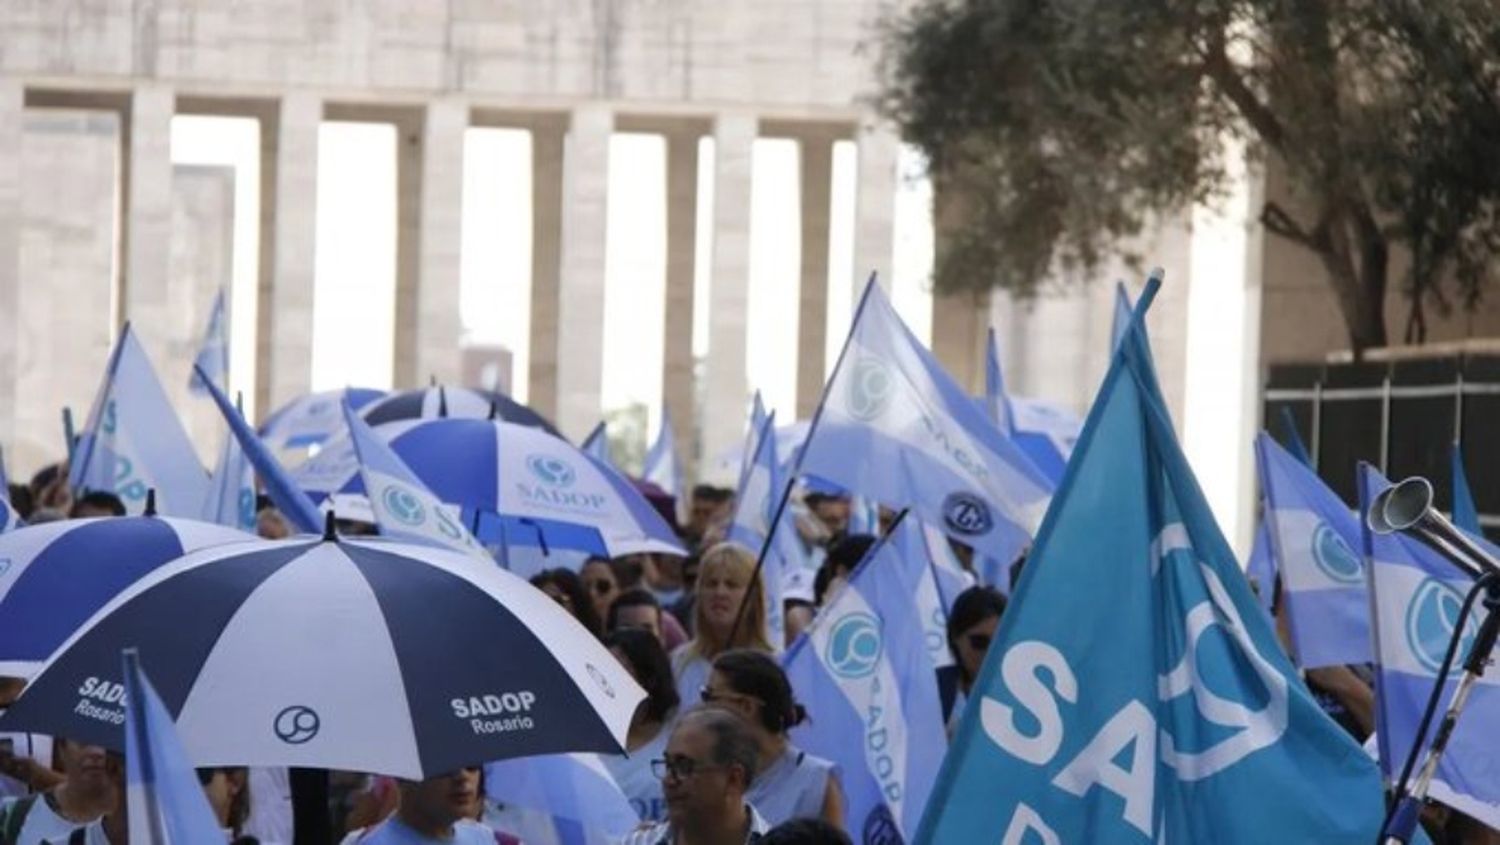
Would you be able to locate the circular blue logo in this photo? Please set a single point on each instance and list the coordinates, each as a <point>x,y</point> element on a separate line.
<point>403,505</point>
<point>1334,556</point>
<point>854,646</point>
<point>880,828</point>
<point>967,514</point>
<point>1431,619</point>
<point>551,470</point>
<point>297,724</point>
<point>870,389</point>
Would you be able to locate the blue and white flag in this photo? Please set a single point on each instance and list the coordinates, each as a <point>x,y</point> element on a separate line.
<point>759,492</point>
<point>165,803</point>
<point>1261,568</point>
<point>403,506</point>
<point>133,441</point>
<point>864,515</point>
<point>1121,321</point>
<point>213,354</point>
<point>9,519</point>
<point>861,669</point>
<point>231,489</point>
<point>752,431</point>
<point>1134,691</point>
<point>572,799</point>
<point>888,401</point>
<point>660,467</point>
<point>1313,537</point>
<point>596,445</point>
<point>997,402</point>
<point>1292,440</point>
<point>1465,514</point>
<point>1417,596</point>
<point>4,477</point>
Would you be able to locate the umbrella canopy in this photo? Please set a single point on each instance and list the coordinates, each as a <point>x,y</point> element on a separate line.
<point>362,655</point>
<point>542,488</point>
<point>439,401</point>
<point>56,575</point>
<point>314,418</point>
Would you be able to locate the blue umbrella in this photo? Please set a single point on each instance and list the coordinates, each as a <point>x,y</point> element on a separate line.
<point>363,655</point>
<point>312,419</point>
<point>54,576</point>
<point>438,402</point>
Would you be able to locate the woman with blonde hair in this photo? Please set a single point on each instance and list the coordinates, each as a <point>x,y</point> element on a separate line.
<point>726,579</point>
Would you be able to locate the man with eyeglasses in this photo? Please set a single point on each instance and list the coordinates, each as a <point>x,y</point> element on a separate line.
<point>707,767</point>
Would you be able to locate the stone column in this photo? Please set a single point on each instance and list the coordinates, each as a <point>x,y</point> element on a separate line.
<point>430,171</point>
<point>812,315</point>
<point>875,206</point>
<point>288,238</point>
<point>677,344</point>
<point>12,112</point>
<point>546,263</point>
<point>727,391</point>
<point>580,304</point>
<point>960,323</point>
<point>146,226</point>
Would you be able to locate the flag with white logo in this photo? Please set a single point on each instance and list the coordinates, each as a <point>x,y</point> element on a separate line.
<point>165,802</point>
<point>1417,596</point>
<point>1314,536</point>
<point>888,401</point>
<point>861,670</point>
<point>133,441</point>
<point>1134,691</point>
<point>660,467</point>
<point>757,496</point>
<point>403,506</point>
<point>213,353</point>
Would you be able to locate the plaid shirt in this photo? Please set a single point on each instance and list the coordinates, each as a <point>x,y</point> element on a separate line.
<point>661,833</point>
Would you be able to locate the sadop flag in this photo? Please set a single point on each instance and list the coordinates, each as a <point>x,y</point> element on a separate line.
<point>861,669</point>
<point>1465,514</point>
<point>759,492</point>
<point>660,467</point>
<point>889,401</point>
<point>213,353</point>
<point>1313,537</point>
<point>133,441</point>
<point>568,799</point>
<point>403,506</point>
<point>164,801</point>
<point>231,489</point>
<point>1417,595</point>
<point>1135,692</point>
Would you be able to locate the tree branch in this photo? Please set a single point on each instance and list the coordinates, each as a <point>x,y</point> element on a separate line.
<point>1218,67</point>
<point>1278,222</point>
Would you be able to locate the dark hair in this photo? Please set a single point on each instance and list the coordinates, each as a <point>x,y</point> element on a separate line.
<point>629,570</point>
<point>21,499</point>
<point>972,606</point>
<point>652,670</point>
<point>805,831</point>
<point>759,676</point>
<point>566,581</point>
<point>733,743</point>
<point>630,598</point>
<point>100,499</point>
<point>710,493</point>
<point>843,558</point>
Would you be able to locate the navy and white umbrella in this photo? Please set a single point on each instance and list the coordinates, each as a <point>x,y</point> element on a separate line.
<point>440,401</point>
<point>314,418</point>
<point>363,655</point>
<point>56,575</point>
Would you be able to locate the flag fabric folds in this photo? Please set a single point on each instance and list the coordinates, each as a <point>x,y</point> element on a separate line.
<point>1170,714</point>
<point>861,671</point>
<point>1465,514</point>
<point>1313,537</point>
<point>759,492</point>
<point>570,799</point>
<point>1261,568</point>
<point>213,353</point>
<point>134,442</point>
<point>1417,595</point>
<point>888,401</point>
<point>231,489</point>
<point>596,445</point>
<point>660,467</point>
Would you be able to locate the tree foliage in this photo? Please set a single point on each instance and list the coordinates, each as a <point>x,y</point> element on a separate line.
<point>1061,128</point>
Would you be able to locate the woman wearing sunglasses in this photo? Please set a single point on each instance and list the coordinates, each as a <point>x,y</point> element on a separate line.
<point>789,783</point>
<point>971,628</point>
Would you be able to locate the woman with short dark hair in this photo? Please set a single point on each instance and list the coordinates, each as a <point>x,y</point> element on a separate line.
<point>564,587</point>
<point>643,657</point>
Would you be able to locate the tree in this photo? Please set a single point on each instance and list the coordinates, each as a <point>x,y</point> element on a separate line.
<point>1063,127</point>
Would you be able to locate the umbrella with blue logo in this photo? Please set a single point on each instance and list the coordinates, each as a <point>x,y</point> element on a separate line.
<point>312,419</point>
<point>56,575</point>
<point>440,401</point>
<point>362,655</point>
<point>516,486</point>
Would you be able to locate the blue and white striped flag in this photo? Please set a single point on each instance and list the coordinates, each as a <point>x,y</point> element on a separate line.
<point>1314,536</point>
<point>165,803</point>
<point>752,431</point>
<point>660,467</point>
<point>231,489</point>
<point>888,401</point>
<point>864,515</point>
<point>213,354</point>
<point>862,671</point>
<point>403,506</point>
<point>133,441</point>
<point>597,444</point>
<point>1417,596</point>
<point>569,799</point>
<point>759,492</point>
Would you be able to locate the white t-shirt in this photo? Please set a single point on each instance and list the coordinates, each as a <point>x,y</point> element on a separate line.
<point>691,674</point>
<point>42,822</point>
<point>633,774</point>
<point>93,834</point>
<point>393,832</point>
<point>270,805</point>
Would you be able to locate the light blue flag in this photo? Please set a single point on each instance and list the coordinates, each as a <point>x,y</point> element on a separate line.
<point>403,506</point>
<point>1261,568</point>
<point>1293,440</point>
<point>4,478</point>
<point>759,492</point>
<point>164,802</point>
<point>231,490</point>
<point>752,431</point>
<point>660,467</point>
<point>1134,691</point>
<point>889,401</point>
<point>1465,514</point>
<point>597,444</point>
<point>133,441</point>
<point>9,519</point>
<point>1417,596</point>
<point>994,388</point>
<point>862,671</point>
<point>864,515</point>
<point>568,799</point>
<point>288,498</point>
<point>1121,316</point>
<point>213,354</point>
<point>1313,537</point>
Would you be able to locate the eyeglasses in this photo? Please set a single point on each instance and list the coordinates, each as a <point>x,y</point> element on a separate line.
<point>709,696</point>
<point>978,642</point>
<point>679,767</point>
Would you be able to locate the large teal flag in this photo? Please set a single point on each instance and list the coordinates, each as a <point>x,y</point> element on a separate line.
<point>1135,693</point>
